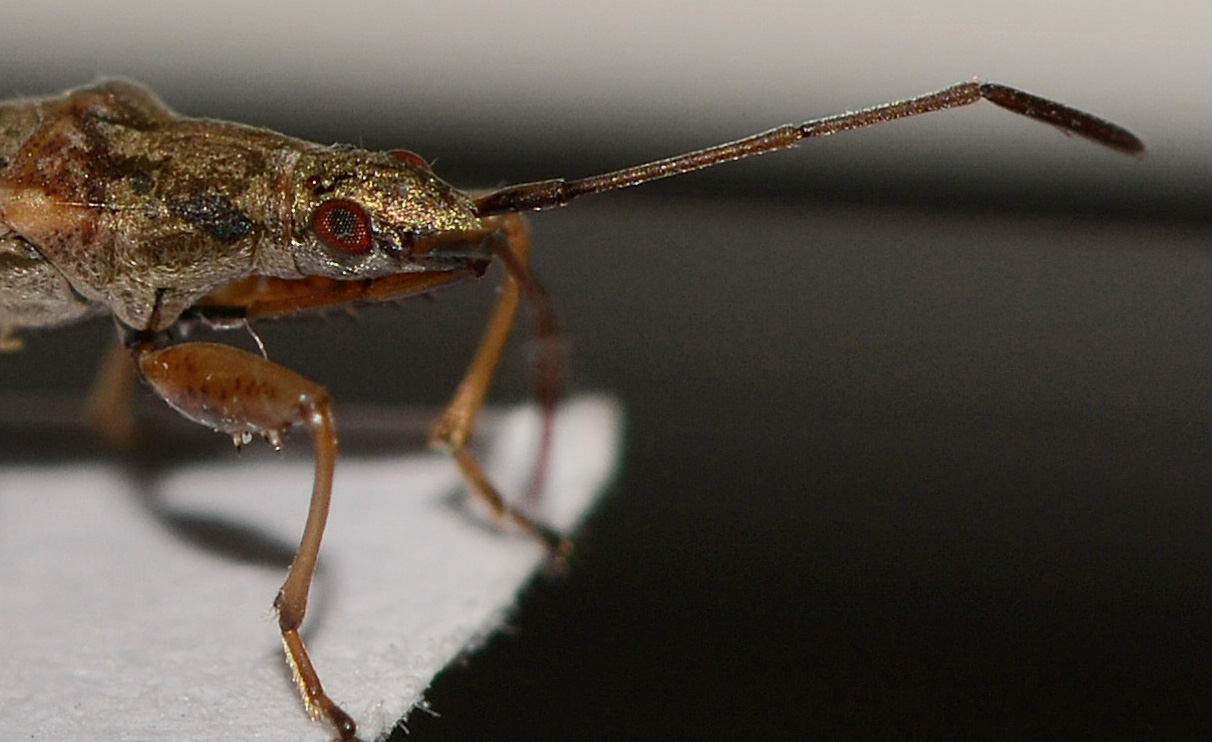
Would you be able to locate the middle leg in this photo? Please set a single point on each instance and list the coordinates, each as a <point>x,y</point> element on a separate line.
<point>453,430</point>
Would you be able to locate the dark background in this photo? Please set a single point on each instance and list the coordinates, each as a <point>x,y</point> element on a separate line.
<point>919,424</point>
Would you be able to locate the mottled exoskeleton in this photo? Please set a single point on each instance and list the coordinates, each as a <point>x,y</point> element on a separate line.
<point>137,212</point>
<point>112,204</point>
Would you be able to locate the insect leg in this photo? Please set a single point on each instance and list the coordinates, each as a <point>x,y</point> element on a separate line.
<point>243,394</point>
<point>504,237</point>
<point>108,410</point>
<point>454,428</point>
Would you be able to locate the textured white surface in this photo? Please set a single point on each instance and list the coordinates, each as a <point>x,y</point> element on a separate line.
<point>117,628</point>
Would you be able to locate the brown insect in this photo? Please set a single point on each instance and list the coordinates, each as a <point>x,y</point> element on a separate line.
<point>110,203</point>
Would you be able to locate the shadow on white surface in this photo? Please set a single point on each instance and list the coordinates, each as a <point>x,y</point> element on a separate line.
<point>116,627</point>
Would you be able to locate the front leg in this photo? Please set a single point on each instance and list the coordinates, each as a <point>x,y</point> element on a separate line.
<point>243,394</point>
<point>510,244</point>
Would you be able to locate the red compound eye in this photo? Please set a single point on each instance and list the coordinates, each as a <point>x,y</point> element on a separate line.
<point>342,226</point>
<point>409,158</point>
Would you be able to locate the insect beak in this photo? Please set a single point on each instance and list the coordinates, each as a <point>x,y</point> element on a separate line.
<point>456,246</point>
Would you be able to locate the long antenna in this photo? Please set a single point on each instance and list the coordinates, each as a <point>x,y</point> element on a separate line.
<point>547,194</point>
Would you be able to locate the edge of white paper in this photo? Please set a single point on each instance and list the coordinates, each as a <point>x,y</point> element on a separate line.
<point>116,628</point>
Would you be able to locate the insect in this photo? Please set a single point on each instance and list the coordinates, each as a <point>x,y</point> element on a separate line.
<point>112,204</point>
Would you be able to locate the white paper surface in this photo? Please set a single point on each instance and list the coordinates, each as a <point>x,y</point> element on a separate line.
<point>113,626</point>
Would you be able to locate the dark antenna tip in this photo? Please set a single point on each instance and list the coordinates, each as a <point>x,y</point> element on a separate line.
<point>1069,120</point>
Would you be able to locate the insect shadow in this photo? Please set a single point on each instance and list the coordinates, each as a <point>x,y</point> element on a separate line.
<point>222,536</point>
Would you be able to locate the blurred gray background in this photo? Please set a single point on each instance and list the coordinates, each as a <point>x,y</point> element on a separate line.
<point>920,417</point>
